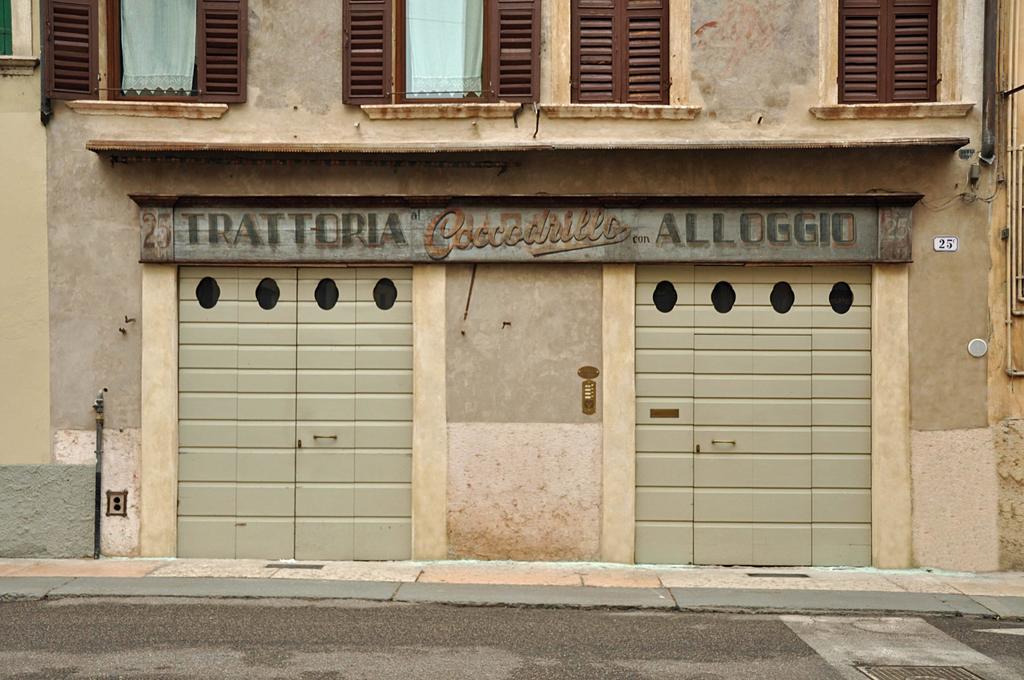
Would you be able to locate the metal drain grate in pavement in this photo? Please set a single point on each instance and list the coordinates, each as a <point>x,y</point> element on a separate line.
<point>918,673</point>
<point>289,565</point>
<point>777,575</point>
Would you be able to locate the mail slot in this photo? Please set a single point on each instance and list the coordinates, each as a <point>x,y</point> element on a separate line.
<point>664,413</point>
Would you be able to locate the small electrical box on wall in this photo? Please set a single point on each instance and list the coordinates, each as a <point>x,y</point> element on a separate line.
<point>117,504</point>
<point>589,389</point>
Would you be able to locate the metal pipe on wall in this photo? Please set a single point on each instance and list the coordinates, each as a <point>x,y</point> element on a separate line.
<point>989,108</point>
<point>1014,189</point>
<point>98,407</point>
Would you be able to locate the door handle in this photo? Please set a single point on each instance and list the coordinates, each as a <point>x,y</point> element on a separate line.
<point>325,436</point>
<point>724,442</point>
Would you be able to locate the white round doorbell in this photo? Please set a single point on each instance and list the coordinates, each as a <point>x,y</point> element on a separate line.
<point>977,348</point>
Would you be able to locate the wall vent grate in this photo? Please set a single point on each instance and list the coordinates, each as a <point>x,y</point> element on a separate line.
<point>289,565</point>
<point>918,673</point>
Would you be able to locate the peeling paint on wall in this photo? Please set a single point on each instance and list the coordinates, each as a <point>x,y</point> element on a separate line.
<point>524,491</point>
<point>752,58</point>
<point>1010,470</point>
<point>955,500</point>
<point>119,536</point>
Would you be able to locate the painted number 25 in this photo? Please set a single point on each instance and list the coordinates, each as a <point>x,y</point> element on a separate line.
<point>947,244</point>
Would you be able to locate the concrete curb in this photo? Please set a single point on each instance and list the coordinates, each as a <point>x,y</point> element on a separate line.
<point>579,597</point>
<point>572,597</point>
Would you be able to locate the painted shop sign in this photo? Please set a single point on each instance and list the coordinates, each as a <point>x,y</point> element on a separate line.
<point>558,230</point>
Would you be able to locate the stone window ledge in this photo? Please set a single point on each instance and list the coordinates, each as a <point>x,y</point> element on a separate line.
<point>184,110</point>
<point>622,111</point>
<point>18,66</point>
<point>439,110</point>
<point>892,111</point>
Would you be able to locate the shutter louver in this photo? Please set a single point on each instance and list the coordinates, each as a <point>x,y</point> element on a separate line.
<point>515,66</point>
<point>221,50</point>
<point>861,51</point>
<point>913,45</point>
<point>367,51</point>
<point>71,59</point>
<point>646,69</point>
<point>595,74</point>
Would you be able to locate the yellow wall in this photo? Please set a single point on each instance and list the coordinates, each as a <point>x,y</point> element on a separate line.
<point>24,298</point>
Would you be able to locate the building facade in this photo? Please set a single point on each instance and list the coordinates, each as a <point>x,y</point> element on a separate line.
<point>656,281</point>
<point>25,455</point>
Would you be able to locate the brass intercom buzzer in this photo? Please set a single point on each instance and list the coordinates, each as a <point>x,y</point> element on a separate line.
<point>589,396</point>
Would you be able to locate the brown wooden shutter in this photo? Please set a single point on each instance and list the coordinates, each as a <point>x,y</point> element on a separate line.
<point>646,52</point>
<point>914,49</point>
<point>368,45</point>
<point>223,27</point>
<point>71,56</point>
<point>862,63</point>
<point>887,51</point>
<point>595,62</point>
<point>515,55</point>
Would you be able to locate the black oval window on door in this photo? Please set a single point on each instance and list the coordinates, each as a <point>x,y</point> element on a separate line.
<point>782,297</point>
<point>326,294</point>
<point>841,298</point>
<point>665,297</point>
<point>723,297</point>
<point>385,294</point>
<point>267,293</point>
<point>208,293</point>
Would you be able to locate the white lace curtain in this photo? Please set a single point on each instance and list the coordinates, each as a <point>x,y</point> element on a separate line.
<point>158,45</point>
<point>444,48</point>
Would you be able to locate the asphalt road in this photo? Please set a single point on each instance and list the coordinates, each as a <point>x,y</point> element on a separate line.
<point>290,639</point>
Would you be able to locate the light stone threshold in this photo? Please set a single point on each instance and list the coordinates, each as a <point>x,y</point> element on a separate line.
<point>439,111</point>
<point>622,111</point>
<point>153,109</point>
<point>17,66</point>
<point>892,111</point>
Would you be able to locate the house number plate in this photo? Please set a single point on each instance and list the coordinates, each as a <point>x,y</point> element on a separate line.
<point>947,244</point>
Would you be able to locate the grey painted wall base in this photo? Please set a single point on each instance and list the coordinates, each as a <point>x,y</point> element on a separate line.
<point>46,510</point>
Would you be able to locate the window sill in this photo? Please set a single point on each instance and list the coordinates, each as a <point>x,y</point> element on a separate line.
<point>435,111</point>
<point>622,111</point>
<point>18,66</point>
<point>892,111</point>
<point>182,110</point>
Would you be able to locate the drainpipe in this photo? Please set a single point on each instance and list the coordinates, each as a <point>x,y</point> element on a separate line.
<point>45,110</point>
<point>97,406</point>
<point>988,106</point>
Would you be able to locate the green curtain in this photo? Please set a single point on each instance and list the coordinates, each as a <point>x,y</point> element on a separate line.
<point>444,48</point>
<point>158,45</point>
<point>5,27</point>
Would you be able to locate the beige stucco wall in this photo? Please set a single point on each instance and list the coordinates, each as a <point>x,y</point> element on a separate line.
<point>955,484</point>
<point>524,491</point>
<point>524,461</point>
<point>24,315</point>
<point>500,377</point>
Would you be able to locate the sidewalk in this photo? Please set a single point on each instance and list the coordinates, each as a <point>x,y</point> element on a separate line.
<point>776,590</point>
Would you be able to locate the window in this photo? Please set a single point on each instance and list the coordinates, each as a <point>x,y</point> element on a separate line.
<point>887,51</point>
<point>385,294</point>
<point>723,297</point>
<point>267,294</point>
<point>177,49</point>
<point>444,49</point>
<point>457,50</point>
<point>208,293</point>
<point>158,47</point>
<point>620,51</point>
<point>6,46</point>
